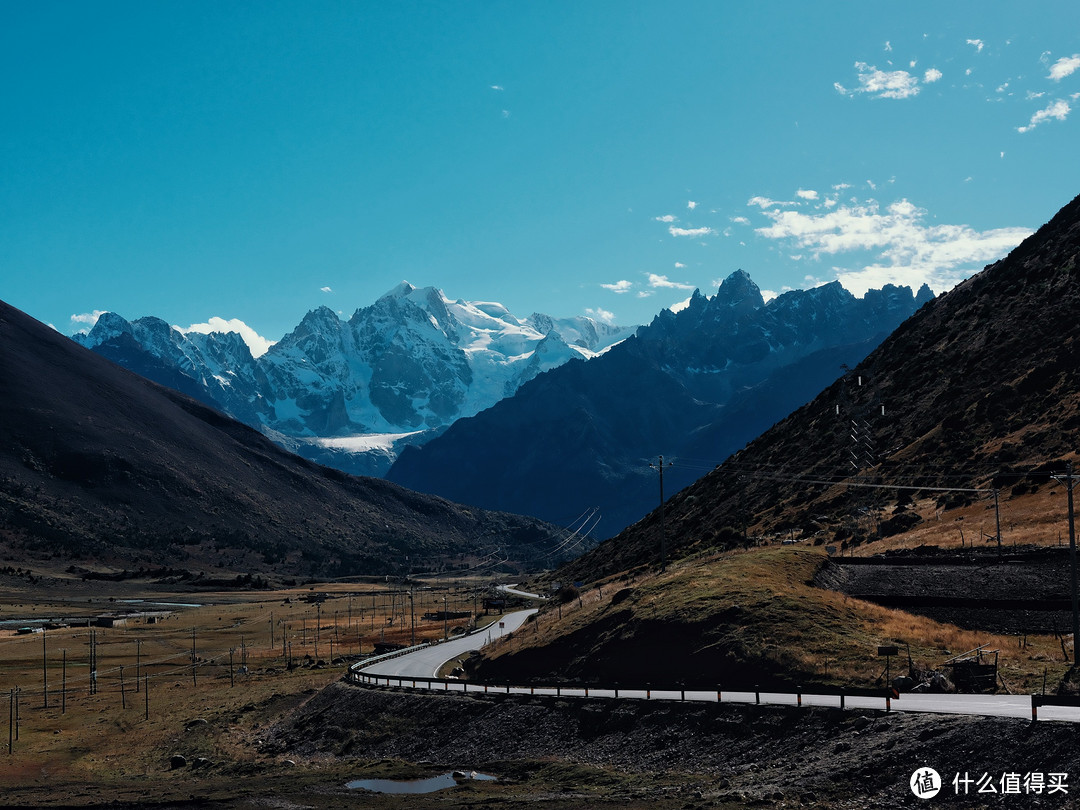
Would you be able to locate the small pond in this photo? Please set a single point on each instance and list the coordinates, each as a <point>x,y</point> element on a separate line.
<point>428,785</point>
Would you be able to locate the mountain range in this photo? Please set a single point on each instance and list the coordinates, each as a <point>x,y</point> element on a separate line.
<point>979,391</point>
<point>104,468</point>
<point>693,386</point>
<point>351,393</point>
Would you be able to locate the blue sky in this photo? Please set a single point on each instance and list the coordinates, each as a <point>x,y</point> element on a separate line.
<point>252,161</point>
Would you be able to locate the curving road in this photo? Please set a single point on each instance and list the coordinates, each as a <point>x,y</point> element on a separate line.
<point>426,661</point>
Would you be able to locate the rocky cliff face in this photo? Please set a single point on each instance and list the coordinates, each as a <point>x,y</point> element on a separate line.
<point>692,386</point>
<point>403,368</point>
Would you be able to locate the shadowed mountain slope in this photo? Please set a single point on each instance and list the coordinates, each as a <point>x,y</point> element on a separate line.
<point>979,389</point>
<point>97,463</point>
<point>694,385</point>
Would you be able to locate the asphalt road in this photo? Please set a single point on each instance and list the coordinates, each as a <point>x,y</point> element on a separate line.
<point>426,661</point>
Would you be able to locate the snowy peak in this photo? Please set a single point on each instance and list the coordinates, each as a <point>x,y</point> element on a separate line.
<point>408,364</point>
<point>109,326</point>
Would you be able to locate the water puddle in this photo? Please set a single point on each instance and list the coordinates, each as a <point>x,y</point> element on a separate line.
<point>429,785</point>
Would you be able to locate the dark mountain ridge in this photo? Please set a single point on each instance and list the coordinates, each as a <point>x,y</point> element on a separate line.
<point>99,464</point>
<point>693,386</point>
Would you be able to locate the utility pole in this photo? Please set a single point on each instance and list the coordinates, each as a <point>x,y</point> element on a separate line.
<point>997,515</point>
<point>1072,562</point>
<point>44,668</point>
<point>663,526</point>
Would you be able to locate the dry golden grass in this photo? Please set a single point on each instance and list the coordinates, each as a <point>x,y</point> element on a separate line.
<point>105,739</point>
<point>762,601</point>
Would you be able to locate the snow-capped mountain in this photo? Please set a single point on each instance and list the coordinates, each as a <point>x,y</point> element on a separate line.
<point>352,393</point>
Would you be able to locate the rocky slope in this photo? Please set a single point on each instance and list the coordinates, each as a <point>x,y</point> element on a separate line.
<point>693,386</point>
<point>100,465</point>
<point>980,389</point>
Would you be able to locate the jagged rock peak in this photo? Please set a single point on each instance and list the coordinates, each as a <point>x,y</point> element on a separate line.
<point>739,289</point>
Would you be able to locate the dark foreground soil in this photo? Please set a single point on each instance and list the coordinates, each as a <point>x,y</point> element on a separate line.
<point>586,753</point>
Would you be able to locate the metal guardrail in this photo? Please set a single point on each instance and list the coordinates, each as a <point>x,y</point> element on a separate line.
<point>828,699</point>
<point>355,675</point>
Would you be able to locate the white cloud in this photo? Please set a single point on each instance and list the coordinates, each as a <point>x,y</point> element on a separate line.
<point>740,220</point>
<point>498,87</point>
<point>645,293</point>
<point>600,314</point>
<point>658,282</point>
<point>505,113</point>
<point>978,43</point>
<point>325,290</point>
<point>256,342</point>
<point>88,320</point>
<point>896,244</point>
<point>620,287</point>
<point>1031,96</point>
<point>679,265</point>
<point>692,232</point>
<point>806,194</point>
<point>888,46</point>
<point>667,218</point>
<point>1065,66</point>
<point>768,295</point>
<point>765,202</point>
<point>1058,110</point>
<point>691,205</point>
<point>881,83</point>
<point>932,75</point>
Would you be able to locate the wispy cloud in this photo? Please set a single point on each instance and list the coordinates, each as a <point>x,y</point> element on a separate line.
<point>978,44</point>
<point>766,202</point>
<point>498,87</point>
<point>600,314</point>
<point>881,83</point>
<point>663,282</point>
<point>620,287</point>
<point>325,290</point>
<point>1065,66</point>
<point>899,247</point>
<point>691,205</point>
<point>932,75</point>
<point>256,342</point>
<point>692,232</point>
<point>86,321</point>
<point>667,218</point>
<point>1058,110</point>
